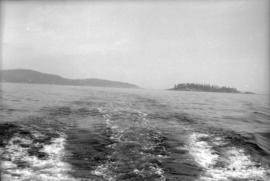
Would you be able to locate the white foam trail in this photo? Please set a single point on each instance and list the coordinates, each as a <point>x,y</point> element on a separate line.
<point>236,164</point>
<point>201,151</point>
<point>52,168</point>
<point>239,165</point>
<point>119,133</point>
<point>154,169</point>
<point>104,171</point>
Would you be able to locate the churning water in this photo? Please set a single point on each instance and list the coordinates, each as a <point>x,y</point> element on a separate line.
<point>67,133</point>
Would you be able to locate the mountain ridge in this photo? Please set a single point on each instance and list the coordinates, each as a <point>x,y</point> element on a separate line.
<point>35,77</point>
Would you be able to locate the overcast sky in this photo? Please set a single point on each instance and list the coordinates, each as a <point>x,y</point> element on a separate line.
<point>152,44</point>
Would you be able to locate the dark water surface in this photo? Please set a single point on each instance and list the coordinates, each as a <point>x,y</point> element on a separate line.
<point>80,133</point>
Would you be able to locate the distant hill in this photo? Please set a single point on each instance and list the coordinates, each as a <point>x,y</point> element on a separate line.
<point>35,77</point>
<point>206,88</point>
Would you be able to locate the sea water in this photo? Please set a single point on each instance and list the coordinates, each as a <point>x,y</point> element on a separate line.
<point>50,132</point>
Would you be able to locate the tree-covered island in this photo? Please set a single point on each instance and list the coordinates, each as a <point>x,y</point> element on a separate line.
<point>205,88</point>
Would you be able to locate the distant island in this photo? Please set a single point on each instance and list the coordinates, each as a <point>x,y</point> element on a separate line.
<point>205,88</point>
<point>35,77</point>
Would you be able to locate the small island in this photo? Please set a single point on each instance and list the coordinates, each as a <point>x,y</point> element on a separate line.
<point>205,88</point>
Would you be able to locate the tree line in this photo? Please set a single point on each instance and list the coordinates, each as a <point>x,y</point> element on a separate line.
<point>204,87</point>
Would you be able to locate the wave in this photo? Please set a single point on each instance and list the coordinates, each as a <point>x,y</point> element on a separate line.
<point>263,141</point>
<point>122,143</point>
<point>222,159</point>
<point>137,150</point>
<point>29,154</point>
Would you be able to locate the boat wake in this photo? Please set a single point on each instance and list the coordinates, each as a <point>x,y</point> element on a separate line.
<point>223,162</point>
<point>114,144</point>
<point>137,149</point>
<point>31,155</point>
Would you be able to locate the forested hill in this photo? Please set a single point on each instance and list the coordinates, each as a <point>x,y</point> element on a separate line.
<point>205,88</point>
<point>35,77</point>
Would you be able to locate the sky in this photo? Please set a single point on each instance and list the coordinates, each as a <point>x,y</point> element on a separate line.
<point>154,44</point>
